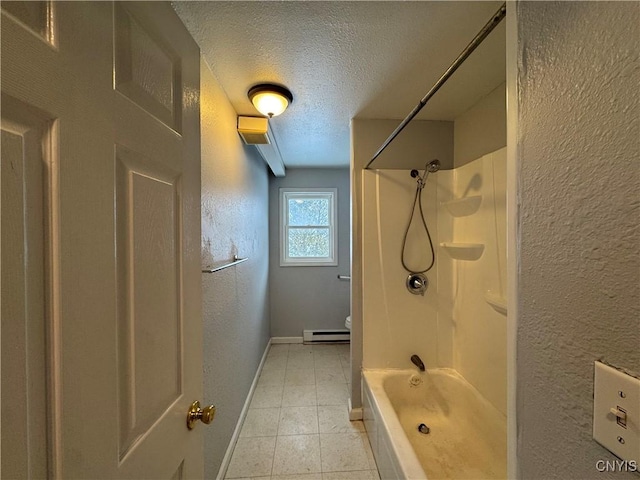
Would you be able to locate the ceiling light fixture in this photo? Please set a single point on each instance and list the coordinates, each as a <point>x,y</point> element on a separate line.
<point>270,100</point>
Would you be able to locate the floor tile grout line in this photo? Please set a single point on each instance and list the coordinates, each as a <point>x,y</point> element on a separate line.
<point>317,417</point>
<point>275,443</point>
<point>320,447</point>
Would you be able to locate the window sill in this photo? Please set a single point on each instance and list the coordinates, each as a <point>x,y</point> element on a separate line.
<point>309,264</point>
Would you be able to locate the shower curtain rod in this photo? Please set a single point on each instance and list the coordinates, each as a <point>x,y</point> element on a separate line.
<point>486,30</point>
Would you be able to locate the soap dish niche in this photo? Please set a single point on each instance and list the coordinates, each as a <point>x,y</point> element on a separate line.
<point>464,251</point>
<point>496,301</point>
<point>462,207</point>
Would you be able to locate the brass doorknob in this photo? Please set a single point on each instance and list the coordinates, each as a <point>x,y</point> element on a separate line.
<point>205,415</point>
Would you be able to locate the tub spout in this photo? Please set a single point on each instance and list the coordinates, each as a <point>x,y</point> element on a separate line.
<point>417,362</point>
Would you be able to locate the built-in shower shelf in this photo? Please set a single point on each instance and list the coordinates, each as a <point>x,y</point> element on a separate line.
<point>462,207</point>
<point>464,251</point>
<point>497,302</point>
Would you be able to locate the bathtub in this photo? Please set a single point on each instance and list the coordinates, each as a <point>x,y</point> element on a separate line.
<point>467,438</point>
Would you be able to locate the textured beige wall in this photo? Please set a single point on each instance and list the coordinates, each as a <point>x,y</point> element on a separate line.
<point>235,300</point>
<point>420,142</point>
<point>578,151</point>
<point>482,129</point>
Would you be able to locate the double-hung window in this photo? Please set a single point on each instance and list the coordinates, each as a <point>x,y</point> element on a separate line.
<point>308,226</point>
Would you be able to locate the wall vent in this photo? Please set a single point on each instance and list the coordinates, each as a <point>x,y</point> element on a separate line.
<point>253,130</point>
<point>326,336</point>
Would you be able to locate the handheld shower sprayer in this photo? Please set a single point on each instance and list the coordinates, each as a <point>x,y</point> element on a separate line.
<point>433,166</point>
<point>416,281</point>
<point>430,167</point>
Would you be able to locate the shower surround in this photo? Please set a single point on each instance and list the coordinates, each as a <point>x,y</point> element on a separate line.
<point>460,323</point>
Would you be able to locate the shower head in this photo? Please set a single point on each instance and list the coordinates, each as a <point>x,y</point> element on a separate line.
<point>433,166</point>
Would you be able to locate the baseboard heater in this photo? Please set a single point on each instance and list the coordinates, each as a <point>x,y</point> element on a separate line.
<point>326,336</point>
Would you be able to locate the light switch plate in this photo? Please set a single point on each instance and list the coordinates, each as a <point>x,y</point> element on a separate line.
<point>613,391</point>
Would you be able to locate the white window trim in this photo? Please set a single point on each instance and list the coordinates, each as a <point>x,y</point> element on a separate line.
<point>332,260</point>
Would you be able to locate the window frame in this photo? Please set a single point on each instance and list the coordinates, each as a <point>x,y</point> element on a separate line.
<point>288,193</point>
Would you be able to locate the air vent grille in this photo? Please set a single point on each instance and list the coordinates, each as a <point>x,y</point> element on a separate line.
<point>255,138</point>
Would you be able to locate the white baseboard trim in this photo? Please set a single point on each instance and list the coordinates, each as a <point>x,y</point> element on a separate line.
<point>354,413</point>
<point>236,433</point>
<point>275,340</point>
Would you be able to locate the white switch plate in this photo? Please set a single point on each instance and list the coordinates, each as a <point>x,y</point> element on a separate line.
<point>614,389</point>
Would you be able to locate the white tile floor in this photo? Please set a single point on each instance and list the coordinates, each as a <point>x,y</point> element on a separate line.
<point>297,426</point>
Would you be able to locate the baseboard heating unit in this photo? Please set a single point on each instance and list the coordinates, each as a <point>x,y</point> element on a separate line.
<point>326,336</point>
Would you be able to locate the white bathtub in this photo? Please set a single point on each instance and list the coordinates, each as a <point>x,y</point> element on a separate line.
<point>467,438</point>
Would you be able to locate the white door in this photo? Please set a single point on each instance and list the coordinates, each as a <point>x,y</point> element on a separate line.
<point>100,241</point>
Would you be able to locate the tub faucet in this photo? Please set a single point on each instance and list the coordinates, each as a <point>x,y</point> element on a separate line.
<point>417,362</point>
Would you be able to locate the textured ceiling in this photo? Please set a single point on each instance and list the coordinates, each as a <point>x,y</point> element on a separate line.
<point>343,60</point>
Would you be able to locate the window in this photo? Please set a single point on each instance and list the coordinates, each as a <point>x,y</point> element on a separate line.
<point>308,230</point>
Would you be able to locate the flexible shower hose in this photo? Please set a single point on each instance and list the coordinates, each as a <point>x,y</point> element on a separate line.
<point>418,199</point>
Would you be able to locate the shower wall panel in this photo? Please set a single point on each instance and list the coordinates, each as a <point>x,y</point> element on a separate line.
<point>396,323</point>
<point>472,285</point>
<point>461,320</point>
<point>421,140</point>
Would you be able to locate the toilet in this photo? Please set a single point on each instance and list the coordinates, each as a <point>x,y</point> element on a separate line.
<point>347,322</point>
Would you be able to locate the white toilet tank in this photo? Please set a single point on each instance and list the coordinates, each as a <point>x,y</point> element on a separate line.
<point>347,322</point>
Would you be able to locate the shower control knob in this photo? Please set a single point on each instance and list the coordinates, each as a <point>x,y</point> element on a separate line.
<point>417,283</point>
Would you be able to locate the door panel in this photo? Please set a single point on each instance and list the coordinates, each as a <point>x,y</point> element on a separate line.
<point>35,15</point>
<point>147,70</point>
<point>119,222</point>
<point>148,238</point>
<point>22,298</point>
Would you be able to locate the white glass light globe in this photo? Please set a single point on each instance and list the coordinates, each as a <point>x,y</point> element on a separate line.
<point>270,104</point>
